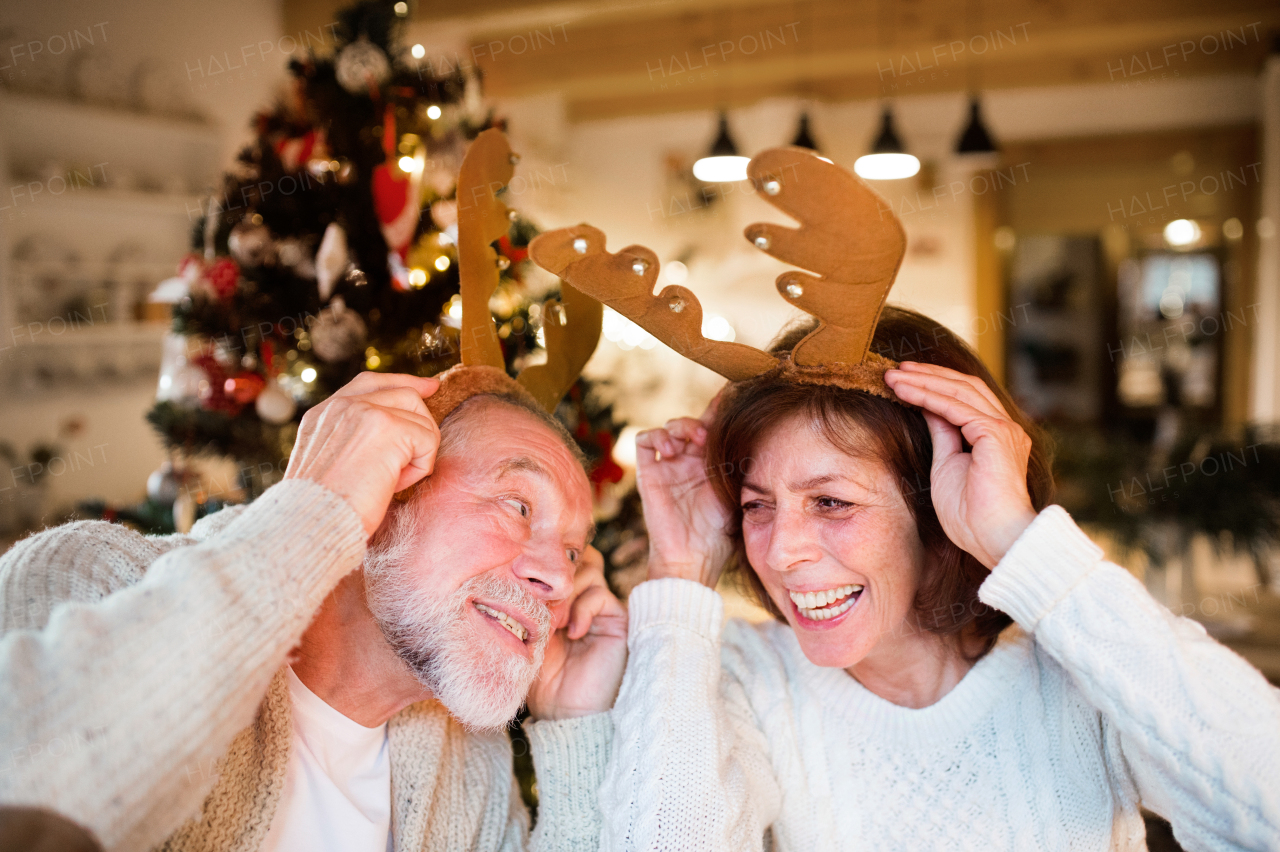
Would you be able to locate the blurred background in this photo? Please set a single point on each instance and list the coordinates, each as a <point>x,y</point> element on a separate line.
<point>213,215</point>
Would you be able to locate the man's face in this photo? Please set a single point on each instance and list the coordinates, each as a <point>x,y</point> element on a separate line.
<point>497,531</point>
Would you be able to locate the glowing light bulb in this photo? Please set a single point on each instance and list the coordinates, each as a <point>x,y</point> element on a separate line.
<point>308,375</point>
<point>417,278</point>
<point>1181,232</point>
<point>886,166</point>
<point>721,169</point>
<point>442,263</point>
<point>433,112</point>
<point>408,164</point>
<point>418,51</point>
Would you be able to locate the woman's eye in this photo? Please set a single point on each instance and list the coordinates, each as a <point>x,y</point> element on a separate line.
<point>833,503</point>
<point>754,509</point>
<point>520,506</point>
<point>573,555</point>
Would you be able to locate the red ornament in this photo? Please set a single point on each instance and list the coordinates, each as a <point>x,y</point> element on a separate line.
<point>606,470</point>
<point>244,388</point>
<point>395,194</point>
<point>222,276</point>
<point>213,391</point>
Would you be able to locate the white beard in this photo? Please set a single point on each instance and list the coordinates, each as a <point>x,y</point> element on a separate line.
<point>479,681</point>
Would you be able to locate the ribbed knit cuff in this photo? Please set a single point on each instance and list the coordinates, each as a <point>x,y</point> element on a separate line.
<point>1046,562</point>
<point>678,603</point>
<point>570,757</point>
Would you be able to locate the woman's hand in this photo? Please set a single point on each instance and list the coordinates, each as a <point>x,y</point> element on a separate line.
<point>685,519</point>
<point>981,496</point>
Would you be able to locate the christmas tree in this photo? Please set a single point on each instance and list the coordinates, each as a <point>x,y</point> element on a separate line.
<point>330,249</point>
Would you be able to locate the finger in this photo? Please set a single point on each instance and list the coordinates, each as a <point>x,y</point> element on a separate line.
<point>964,391</point>
<point>954,410</point>
<point>687,429</point>
<point>657,440</point>
<point>919,368</point>
<point>367,382</point>
<point>590,571</point>
<point>946,438</point>
<point>402,398</point>
<point>586,607</point>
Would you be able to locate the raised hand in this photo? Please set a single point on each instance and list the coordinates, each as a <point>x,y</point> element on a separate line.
<point>685,519</point>
<point>586,656</point>
<point>372,438</point>
<point>981,496</point>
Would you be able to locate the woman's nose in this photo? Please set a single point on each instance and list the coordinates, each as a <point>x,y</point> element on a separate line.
<point>792,542</point>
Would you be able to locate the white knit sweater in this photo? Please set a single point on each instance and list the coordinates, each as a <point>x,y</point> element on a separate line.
<point>141,692</point>
<point>1097,700</point>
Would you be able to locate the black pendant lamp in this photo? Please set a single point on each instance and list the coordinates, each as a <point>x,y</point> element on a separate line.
<point>888,159</point>
<point>723,163</point>
<point>976,139</point>
<point>804,138</point>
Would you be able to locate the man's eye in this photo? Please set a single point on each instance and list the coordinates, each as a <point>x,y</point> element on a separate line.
<point>573,555</point>
<point>520,506</point>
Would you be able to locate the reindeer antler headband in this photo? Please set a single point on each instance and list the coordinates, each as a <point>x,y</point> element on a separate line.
<point>849,240</point>
<point>571,324</point>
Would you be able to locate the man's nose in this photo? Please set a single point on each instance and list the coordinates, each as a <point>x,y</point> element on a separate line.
<point>547,572</point>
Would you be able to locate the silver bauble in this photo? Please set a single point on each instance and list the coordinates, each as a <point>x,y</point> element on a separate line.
<point>338,333</point>
<point>360,64</point>
<point>251,245</point>
<point>274,405</point>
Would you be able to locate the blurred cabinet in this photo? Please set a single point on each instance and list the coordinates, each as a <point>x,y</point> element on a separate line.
<point>97,207</point>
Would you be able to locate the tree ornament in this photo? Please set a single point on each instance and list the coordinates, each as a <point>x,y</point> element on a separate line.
<point>332,259</point>
<point>251,245</point>
<point>396,193</point>
<point>221,276</point>
<point>338,332</point>
<point>273,405</point>
<point>244,388</point>
<point>361,67</point>
<point>293,254</point>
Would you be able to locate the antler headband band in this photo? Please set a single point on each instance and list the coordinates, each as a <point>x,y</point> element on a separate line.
<point>571,325</point>
<point>849,240</point>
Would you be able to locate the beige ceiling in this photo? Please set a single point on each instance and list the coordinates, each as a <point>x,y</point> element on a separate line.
<point>647,56</point>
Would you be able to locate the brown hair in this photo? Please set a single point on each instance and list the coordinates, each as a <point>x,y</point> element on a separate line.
<point>868,426</point>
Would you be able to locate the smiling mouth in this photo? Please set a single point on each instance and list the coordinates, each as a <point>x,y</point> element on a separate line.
<point>820,606</point>
<point>514,627</point>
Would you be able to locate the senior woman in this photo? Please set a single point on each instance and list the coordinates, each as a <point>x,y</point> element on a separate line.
<point>951,664</point>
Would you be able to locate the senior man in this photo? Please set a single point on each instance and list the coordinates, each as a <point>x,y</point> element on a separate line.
<point>271,682</point>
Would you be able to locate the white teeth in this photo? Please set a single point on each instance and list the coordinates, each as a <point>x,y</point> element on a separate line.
<point>516,628</point>
<point>816,605</point>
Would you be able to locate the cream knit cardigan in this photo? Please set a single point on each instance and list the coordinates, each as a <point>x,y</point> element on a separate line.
<point>1097,700</point>
<point>99,622</point>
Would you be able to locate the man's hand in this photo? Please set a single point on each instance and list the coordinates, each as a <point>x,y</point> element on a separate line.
<point>369,440</point>
<point>585,658</point>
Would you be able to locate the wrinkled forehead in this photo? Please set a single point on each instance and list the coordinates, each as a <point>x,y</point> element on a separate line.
<point>493,440</point>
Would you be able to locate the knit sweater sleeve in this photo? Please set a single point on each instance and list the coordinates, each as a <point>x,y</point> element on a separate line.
<point>569,758</point>
<point>105,709</point>
<point>1199,728</point>
<point>690,768</point>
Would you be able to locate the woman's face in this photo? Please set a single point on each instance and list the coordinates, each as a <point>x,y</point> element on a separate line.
<point>833,542</point>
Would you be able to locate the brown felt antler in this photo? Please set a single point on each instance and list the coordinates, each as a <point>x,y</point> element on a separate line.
<point>624,281</point>
<point>571,326</point>
<point>847,235</point>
